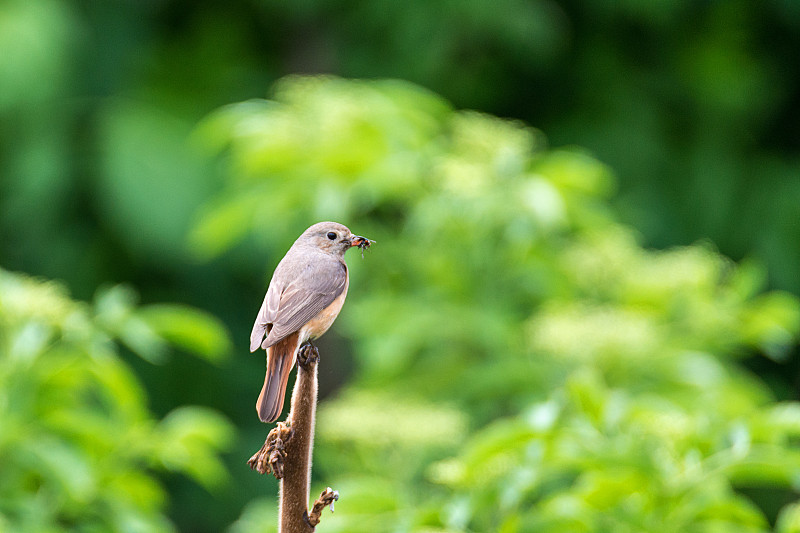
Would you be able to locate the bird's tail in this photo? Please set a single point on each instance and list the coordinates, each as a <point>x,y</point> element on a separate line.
<point>280,360</point>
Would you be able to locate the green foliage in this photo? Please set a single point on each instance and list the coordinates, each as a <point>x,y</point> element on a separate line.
<point>525,364</point>
<point>693,104</point>
<point>79,449</point>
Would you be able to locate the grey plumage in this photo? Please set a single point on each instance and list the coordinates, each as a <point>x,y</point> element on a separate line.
<point>304,296</point>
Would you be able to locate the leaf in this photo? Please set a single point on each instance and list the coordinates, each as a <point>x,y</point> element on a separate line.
<point>189,328</point>
<point>772,323</point>
<point>789,519</point>
<point>143,340</point>
<point>114,308</point>
<point>766,465</point>
<point>188,439</point>
<point>61,462</point>
<point>222,226</point>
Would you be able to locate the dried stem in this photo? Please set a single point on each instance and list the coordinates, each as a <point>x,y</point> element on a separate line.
<point>325,499</point>
<point>269,459</point>
<point>287,452</point>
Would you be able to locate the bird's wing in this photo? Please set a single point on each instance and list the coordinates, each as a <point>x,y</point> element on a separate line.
<point>266,315</point>
<point>318,284</point>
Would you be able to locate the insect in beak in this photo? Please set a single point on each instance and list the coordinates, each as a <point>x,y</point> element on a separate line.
<point>361,242</point>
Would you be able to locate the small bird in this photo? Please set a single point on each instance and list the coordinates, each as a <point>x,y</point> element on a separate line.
<point>305,296</point>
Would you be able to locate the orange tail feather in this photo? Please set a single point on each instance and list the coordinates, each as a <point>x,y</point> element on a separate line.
<point>280,361</point>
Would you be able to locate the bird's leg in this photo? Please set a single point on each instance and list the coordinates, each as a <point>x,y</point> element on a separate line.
<point>308,354</point>
<point>272,454</point>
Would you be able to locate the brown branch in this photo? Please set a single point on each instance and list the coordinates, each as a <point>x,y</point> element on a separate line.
<point>269,459</point>
<point>287,452</point>
<point>327,497</point>
<point>294,486</point>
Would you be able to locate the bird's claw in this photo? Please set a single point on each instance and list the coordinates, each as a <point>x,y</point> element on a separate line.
<point>307,355</point>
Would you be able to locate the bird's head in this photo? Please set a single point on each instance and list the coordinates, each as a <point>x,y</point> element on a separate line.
<point>333,237</point>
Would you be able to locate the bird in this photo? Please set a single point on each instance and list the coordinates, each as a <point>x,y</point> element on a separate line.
<point>305,295</point>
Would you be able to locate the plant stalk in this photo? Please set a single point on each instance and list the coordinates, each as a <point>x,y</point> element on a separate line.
<point>296,481</point>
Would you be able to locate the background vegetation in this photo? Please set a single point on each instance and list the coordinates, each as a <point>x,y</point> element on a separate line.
<point>537,342</point>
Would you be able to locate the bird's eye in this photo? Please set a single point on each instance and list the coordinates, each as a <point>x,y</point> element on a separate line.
<point>331,235</point>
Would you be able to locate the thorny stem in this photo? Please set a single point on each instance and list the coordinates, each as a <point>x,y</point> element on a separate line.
<point>287,452</point>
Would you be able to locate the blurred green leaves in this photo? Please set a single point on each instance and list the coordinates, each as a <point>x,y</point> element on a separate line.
<point>152,178</point>
<point>150,330</point>
<point>693,105</point>
<point>614,461</point>
<point>78,446</point>
<point>38,38</point>
<point>367,142</point>
<point>186,327</point>
<point>587,383</point>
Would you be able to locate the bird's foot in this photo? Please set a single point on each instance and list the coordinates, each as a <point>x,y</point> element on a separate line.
<point>272,454</point>
<point>307,355</point>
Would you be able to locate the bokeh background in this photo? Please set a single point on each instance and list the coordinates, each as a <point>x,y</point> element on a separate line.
<point>581,313</point>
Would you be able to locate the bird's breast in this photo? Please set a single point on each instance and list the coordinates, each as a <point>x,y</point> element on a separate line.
<point>320,323</point>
